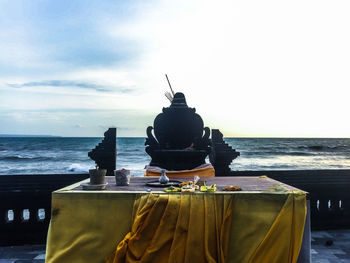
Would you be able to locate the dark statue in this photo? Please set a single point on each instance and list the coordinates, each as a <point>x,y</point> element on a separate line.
<point>180,141</point>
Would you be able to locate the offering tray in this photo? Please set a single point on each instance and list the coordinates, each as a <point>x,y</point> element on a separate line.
<point>88,186</point>
<point>158,184</point>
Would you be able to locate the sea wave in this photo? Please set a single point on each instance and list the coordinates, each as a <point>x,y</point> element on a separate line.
<point>78,168</point>
<point>24,158</point>
<point>275,153</point>
<point>323,147</point>
<point>69,155</point>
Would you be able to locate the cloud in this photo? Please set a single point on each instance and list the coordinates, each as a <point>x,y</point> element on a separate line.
<point>47,37</point>
<point>79,126</point>
<point>75,122</point>
<point>246,66</point>
<point>72,84</point>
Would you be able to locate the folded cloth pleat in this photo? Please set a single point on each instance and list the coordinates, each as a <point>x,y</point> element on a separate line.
<point>177,228</point>
<point>197,227</point>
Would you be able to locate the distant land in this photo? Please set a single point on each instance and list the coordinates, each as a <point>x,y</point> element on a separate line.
<point>24,135</point>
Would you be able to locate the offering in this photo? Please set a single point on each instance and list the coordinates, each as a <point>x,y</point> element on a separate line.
<point>122,177</point>
<point>172,189</point>
<point>185,183</point>
<point>208,188</point>
<point>187,186</point>
<point>232,188</point>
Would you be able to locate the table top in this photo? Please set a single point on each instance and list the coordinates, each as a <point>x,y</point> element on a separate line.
<point>138,184</point>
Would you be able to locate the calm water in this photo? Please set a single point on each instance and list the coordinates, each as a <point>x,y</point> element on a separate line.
<point>69,155</point>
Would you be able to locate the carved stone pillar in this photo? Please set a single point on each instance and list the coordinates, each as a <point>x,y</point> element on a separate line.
<point>105,153</point>
<point>221,154</point>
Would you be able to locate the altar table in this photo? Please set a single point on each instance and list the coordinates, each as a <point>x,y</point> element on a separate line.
<point>86,226</point>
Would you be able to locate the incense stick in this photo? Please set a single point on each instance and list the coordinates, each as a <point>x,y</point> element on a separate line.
<point>169,84</point>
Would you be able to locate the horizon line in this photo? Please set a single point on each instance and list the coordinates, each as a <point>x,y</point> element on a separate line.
<point>229,137</point>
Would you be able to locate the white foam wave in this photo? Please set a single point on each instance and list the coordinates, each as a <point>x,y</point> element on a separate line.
<point>76,167</point>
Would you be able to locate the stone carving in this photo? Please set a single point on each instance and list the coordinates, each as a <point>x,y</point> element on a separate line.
<point>180,141</point>
<point>221,154</point>
<point>105,153</point>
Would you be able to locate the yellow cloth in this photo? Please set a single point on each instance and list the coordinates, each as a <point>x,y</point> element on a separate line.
<point>201,172</point>
<point>283,240</point>
<point>187,227</point>
<point>88,226</point>
<point>178,228</point>
<point>85,226</point>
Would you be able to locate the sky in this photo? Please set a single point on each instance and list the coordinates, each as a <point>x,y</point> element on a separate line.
<point>250,68</point>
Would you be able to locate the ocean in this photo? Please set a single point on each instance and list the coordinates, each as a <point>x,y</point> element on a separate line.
<point>60,155</point>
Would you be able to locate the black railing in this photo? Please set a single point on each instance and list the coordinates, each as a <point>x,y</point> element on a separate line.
<point>25,205</point>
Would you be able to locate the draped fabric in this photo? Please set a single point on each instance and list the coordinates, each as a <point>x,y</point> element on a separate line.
<point>282,242</point>
<point>197,228</point>
<point>96,225</point>
<point>178,228</point>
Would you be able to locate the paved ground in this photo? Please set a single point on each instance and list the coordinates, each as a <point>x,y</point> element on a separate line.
<point>331,246</point>
<point>327,247</point>
<point>23,254</point>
